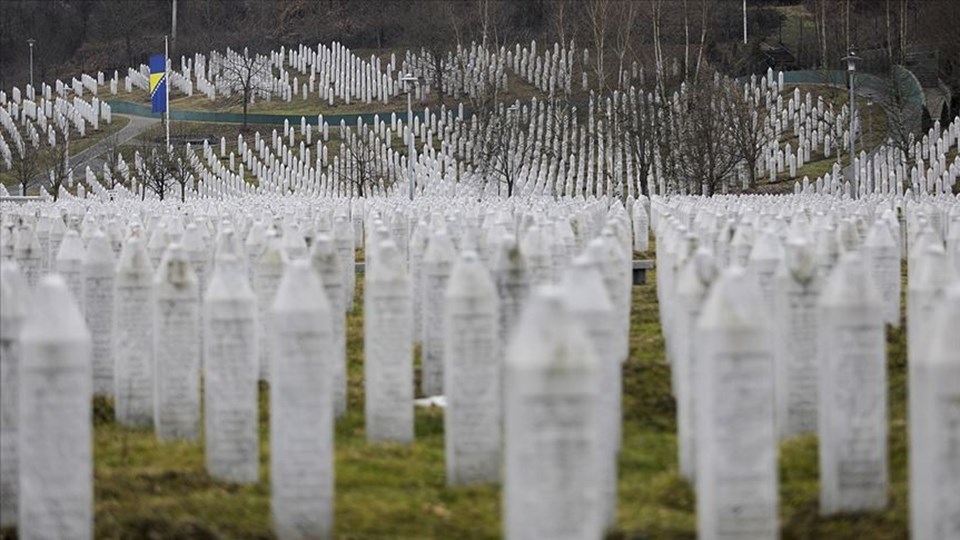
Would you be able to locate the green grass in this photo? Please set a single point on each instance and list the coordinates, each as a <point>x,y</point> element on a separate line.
<point>148,489</point>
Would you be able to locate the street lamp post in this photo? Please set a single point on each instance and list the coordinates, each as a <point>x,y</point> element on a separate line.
<point>410,81</point>
<point>852,60</point>
<point>31,41</point>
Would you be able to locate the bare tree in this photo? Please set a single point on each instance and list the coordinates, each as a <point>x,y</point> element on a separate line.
<point>113,169</point>
<point>657,19</point>
<point>249,75</point>
<point>561,20</point>
<point>639,128</point>
<point>60,169</point>
<point>28,162</point>
<point>701,136</point>
<point>900,101</point>
<point>706,8</point>
<point>360,166</point>
<point>181,172</point>
<point>625,17</point>
<point>154,169</point>
<point>502,146</point>
<point>598,19</point>
<point>748,116</point>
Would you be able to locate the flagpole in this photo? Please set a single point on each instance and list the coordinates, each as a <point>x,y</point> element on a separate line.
<point>166,82</point>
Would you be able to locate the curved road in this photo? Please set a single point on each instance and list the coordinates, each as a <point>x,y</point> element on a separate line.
<point>92,156</point>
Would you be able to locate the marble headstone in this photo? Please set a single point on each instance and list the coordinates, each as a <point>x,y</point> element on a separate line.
<point>230,359</point>
<point>133,336</point>
<point>388,349</point>
<point>176,352</point>
<point>736,473</point>
<point>472,373</point>
<point>551,435</point>
<point>55,409</point>
<point>14,299</point>
<point>301,406</point>
<point>853,391</point>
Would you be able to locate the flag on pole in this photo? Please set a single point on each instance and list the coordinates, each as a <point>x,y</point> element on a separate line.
<point>158,82</point>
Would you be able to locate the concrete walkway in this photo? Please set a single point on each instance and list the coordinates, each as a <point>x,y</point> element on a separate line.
<point>93,156</point>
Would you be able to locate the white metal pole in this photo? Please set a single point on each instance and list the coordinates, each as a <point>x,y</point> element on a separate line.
<point>166,81</point>
<point>410,141</point>
<point>173,23</point>
<point>31,61</point>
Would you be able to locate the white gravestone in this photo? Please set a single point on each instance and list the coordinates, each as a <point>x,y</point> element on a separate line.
<point>641,228</point>
<point>693,284</point>
<point>388,349</point>
<point>551,434</point>
<point>15,303</point>
<point>196,247</point>
<point>69,261</point>
<point>55,428</point>
<point>853,391</point>
<point>301,406</point>
<point>736,473</point>
<point>437,265</point>
<point>99,270</point>
<point>764,259</point>
<point>933,277</point>
<point>509,270</point>
<point>472,373</point>
<point>266,279</point>
<point>797,290</point>
<point>326,263</point>
<point>590,305</point>
<point>230,373</point>
<point>935,437</point>
<point>28,253</point>
<point>43,238</point>
<point>883,257</point>
<point>176,352</point>
<point>133,336</point>
<point>343,235</point>
<point>416,249</point>
<point>57,230</point>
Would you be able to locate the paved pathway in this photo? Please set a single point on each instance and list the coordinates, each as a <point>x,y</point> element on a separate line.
<point>92,156</point>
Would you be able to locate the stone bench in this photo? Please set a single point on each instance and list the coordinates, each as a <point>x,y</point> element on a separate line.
<point>640,267</point>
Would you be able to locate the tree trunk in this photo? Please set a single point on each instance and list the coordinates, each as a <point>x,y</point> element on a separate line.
<point>246,101</point>
<point>703,38</point>
<point>686,41</point>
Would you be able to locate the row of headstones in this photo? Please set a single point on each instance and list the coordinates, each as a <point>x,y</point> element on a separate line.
<point>46,91</point>
<point>788,300</point>
<point>574,329</point>
<point>62,112</point>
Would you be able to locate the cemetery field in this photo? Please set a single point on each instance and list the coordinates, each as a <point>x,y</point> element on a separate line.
<point>313,105</point>
<point>874,135</point>
<point>147,489</point>
<point>215,131</point>
<point>77,144</point>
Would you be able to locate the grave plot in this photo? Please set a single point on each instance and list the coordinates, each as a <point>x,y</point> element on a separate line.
<point>192,351</point>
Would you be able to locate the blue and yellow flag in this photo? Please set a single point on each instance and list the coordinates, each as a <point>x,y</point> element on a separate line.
<point>158,82</point>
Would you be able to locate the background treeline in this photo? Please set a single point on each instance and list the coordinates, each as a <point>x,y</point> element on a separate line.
<point>75,36</point>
